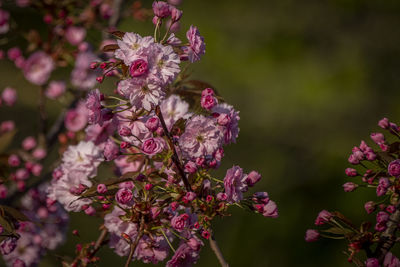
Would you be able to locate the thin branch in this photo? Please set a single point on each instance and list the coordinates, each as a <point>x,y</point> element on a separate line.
<point>42,112</point>
<point>174,157</point>
<point>134,244</point>
<point>217,251</point>
<point>388,238</point>
<point>114,19</point>
<point>101,240</point>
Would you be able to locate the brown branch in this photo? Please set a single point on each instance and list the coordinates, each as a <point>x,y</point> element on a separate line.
<point>101,240</point>
<point>42,113</point>
<point>217,251</point>
<point>388,239</point>
<point>134,244</point>
<point>174,157</point>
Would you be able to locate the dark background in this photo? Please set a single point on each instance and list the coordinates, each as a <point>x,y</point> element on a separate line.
<point>311,79</point>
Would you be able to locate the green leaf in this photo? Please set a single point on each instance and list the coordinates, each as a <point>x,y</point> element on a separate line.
<point>118,34</point>
<point>110,48</point>
<point>337,231</point>
<point>6,225</point>
<point>6,139</point>
<point>14,213</point>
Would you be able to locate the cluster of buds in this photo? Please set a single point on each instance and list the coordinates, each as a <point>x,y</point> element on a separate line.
<point>378,169</point>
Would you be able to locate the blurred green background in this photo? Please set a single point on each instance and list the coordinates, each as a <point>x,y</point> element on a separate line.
<point>311,79</point>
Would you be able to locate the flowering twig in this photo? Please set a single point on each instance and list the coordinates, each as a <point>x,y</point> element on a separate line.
<point>217,251</point>
<point>388,239</point>
<point>174,157</point>
<point>134,244</point>
<point>100,241</point>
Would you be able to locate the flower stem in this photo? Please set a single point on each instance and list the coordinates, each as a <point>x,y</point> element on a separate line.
<point>134,244</point>
<point>217,251</point>
<point>166,238</point>
<point>174,157</point>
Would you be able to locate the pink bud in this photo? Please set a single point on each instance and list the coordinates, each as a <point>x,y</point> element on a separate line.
<point>100,79</point>
<point>90,211</point>
<point>161,9</point>
<point>101,188</point>
<point>124,196</point>
<point>323,217</point>
<point>47,18</point>
<point>7,126</point>
<point>208,102</point>
<point>28,143</point>
<point>190,167</point>
<point>351,172</point>
<point>37,169</point>
<point>13,160</point>
<point>369,206</point>
<point>174,205</point>
<point>253,178</point>
<point>3,191</point>
<point>349,186</point>
<point>394,168</point>
<point>21,186</point>
<point>372,262</point>
<point>124,145</point>
<point>384,123</point>
<point>9,96</point>
<point>124,131</point>
<point>391,209</point>
<point>55,89</point>
<point>222,196</point>
<point>176,14</point>
<point>42,212</point>
<point>75,35</point>
<point>22,174</point>
<point>194,244</point>
<point>106,206</point>
<point>93,65</point>
<point>14,53</point>
<point>200,161</point>
<point>152,124</point>
<point>311,235</point>
<point>111,150</point>
<point>207,91</point>
<point>205,234</point>
<point>160,131</point>
<point>378,138</point>
<point>39,153</point>
<point>148,187</point>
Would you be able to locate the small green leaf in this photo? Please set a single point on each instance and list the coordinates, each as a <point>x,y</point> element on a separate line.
<point>6,139</point>
<point>7,226</point>
<point>337,231</point>
<point>14,213</point>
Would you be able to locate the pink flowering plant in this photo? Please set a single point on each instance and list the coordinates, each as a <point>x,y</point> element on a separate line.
<point>375,167</point>
<point>161,133</point>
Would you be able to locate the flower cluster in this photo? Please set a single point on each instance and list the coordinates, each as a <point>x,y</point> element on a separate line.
<point>163,150</point>
<point>379,169</point>
<point>161,133</point>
